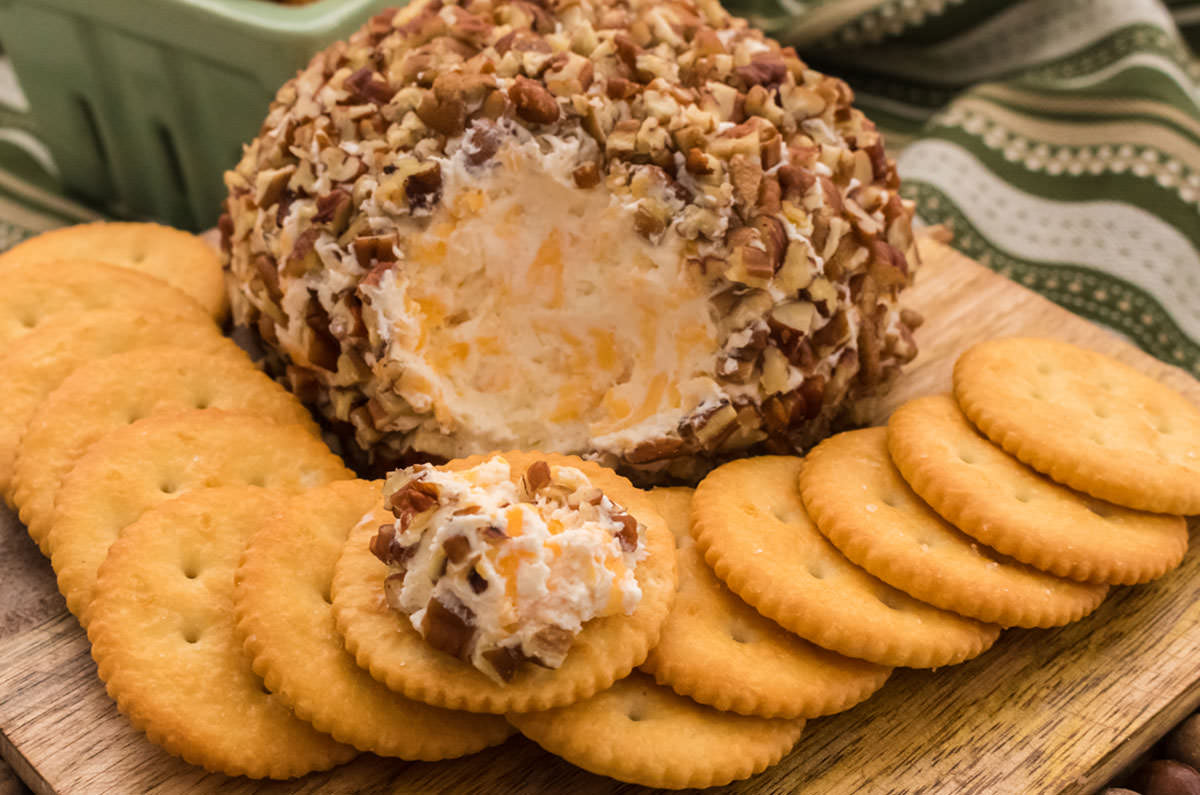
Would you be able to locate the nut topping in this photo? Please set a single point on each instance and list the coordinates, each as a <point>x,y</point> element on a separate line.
<point>707,139</point>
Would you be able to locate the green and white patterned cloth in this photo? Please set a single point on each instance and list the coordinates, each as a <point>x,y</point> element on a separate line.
<point>1058,139</point>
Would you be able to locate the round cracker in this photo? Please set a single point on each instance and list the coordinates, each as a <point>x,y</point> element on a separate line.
<point>164,642</point>
<point>642,733</point>
<point>606,649</point>
<point>158,458</point>
<point>35,293</point>
<point>858,501</point>
<point>718,650</point>
<point>178,258</point>
<point>1086,420</point>
<point>748,520</point>
<point>996,499</point>
<point>43,360</point>
<point>101,396</point>
<point>282,601</point>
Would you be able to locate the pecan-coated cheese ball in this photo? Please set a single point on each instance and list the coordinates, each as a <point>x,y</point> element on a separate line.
<point>633,230</point>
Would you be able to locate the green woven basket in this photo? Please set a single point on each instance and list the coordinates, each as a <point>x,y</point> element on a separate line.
<point>145,103</point>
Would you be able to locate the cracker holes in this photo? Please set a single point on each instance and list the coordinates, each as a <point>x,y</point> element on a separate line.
<point>783,514</point>
<point>327,593</point>
<point>191,635</point>
<point>889,599</point>
<point>134,415</point>
<point>1163,426</point>
<point>168,487</point>
<point>1101,412</point>
<point>202,401</point>
<point>257,479</point>
<point>1022,496</point>
<point>191,570</point>
<point>138,256</point>
<point>636,713</point>
<point>1037,394</point>
<point>1096,439</point>
<point>966,456</point>
<point>28,321</point>
<point>892,500</point>
<point>741,635</point>
<point>1044,368</point>
<point>817,570</point>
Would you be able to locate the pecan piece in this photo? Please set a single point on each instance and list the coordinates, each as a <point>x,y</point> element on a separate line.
<point>448,625</point>
<point>586,176</point>
<point>534,103</point>
<point>333,210</point>
<point>628,534</point>
<point>505,660</point>
<point>367,85</point>
<point>457,548</point>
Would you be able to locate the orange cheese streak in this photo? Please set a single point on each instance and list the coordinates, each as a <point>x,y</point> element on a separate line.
<point>547,268</point>
<point>516,518</point>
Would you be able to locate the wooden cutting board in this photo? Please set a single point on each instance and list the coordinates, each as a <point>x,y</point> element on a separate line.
<point>1042,712</point>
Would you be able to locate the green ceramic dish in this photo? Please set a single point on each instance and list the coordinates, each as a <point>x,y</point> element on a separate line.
<point>145,103</point>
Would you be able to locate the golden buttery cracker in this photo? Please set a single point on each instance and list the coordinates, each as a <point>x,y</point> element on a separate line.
<point>35,293</point>
<point>178,258</point>
<point>996,499</point>
<point>1086,420</point>
<point>283,606</point>
<point>164,642</point>
<point>44,359</point>
<point>860,503</point>
<point>642,733</point>
<point>110,393</point>
<point>748,520</point>
<point>718,650</point>
<point>384,641</point>
<point>159,458</point>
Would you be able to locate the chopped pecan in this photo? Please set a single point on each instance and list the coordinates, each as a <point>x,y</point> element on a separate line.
<point>505,660</point>
<point>448,116</point>
<point>423,187</point>
<point>482,142</point>
<point>534,103</point>
<point>548,647</point>
<point>333,210</point>
<point>654,450</point>
<point>448,625</point>
<point>389,550</point>
<point>269,274</point>
<point>536,477</point>
<point>367,85</point>
<point>766,69</point>
<point>303,256</point>
<point>586,175</point>
<point>628,534</point>
<point>457,548</point>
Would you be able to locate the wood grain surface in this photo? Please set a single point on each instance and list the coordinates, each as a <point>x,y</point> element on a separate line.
<point>1054,711</point>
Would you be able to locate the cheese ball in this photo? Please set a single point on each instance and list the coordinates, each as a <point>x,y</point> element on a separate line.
<point>636,231</point>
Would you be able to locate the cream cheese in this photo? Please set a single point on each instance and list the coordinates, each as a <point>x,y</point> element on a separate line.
<point>527,313</point>
<point>500,571</point>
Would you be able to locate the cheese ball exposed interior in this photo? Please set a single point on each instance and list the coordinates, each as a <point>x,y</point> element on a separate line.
<point>636,231</point>
<point>533,318</point>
